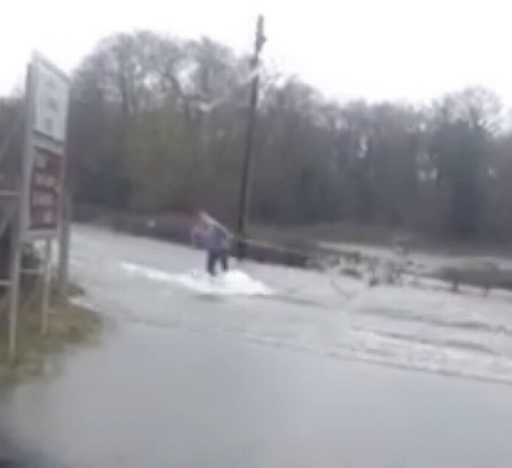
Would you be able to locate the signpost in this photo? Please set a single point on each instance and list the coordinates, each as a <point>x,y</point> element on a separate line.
<point>43,169</point>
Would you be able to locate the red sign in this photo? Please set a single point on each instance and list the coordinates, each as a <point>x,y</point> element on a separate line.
<point>45,188</point>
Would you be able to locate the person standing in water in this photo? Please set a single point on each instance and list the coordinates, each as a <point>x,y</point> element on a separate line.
<point>215,239</point>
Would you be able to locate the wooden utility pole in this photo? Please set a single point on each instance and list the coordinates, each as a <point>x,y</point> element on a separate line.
<point>245,185</point>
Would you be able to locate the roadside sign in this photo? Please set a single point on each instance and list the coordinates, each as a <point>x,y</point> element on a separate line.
<point>51,98</point>
<point>45,191</point>
<point>40,195</point>
<point>45,146</point>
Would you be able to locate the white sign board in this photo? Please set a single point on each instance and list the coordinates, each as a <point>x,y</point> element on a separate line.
<point>51,99</point>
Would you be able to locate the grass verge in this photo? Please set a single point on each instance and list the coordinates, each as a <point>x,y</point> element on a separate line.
<point>68,325</point>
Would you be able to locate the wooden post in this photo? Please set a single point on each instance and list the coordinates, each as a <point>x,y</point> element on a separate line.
<point>20,217</point>
<point>47,283</point>
<point>245,185</point>
<point>14,289</point>
<point>64,245</point>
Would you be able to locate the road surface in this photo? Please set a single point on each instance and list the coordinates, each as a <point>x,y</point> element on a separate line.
<point>275,368</point>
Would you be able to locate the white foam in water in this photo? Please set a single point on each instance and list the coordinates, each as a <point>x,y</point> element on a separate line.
<point>147,272</point>
<point>231,283</point>
<point>234,282</point>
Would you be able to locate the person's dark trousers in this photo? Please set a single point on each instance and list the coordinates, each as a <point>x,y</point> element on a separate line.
<point>215,256</point>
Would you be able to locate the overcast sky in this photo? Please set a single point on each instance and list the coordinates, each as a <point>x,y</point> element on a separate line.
<point>377,49</point>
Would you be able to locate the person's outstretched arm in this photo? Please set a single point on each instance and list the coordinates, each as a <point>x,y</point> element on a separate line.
<point>214,222</point>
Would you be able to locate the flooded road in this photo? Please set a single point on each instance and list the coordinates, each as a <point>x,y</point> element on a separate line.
<point>426,327</point>
<point>188,377</point>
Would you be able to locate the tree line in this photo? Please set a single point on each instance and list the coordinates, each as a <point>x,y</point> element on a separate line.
<point>158,124</point>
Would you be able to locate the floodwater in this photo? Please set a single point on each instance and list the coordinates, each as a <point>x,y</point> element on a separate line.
<point>268,368</point>
<point>423,327</point>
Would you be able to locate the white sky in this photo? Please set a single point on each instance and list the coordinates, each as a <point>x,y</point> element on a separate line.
<point>377,49</point>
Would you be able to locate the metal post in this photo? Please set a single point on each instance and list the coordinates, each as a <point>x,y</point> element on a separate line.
<point>47,280</point>
<point>249,142</point>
